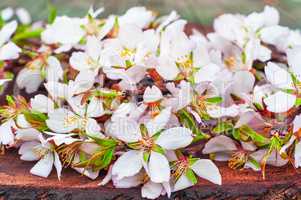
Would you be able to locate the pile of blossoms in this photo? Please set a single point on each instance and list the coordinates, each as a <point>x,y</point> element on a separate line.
<point>134,98</point>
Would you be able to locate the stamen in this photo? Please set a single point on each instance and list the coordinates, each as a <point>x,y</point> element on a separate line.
<point>230,62</point>
<point>237,160</point>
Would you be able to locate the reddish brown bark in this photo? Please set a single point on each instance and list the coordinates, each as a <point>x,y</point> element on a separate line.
<point>17,183</point>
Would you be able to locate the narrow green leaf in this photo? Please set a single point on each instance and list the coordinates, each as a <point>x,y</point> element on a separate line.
<point>2,22</point>
<point>52,12</point>
<point>27,34</point>
<point>298,102</point>
<point>104,142</point>
<point>191,176</point>
<point>158,149</point>
<point>214,100</point>
<point>222,127</point>
<point>187,120</point>
<point>244,57</point>
<point>146,156</point>
<point>82,156</point>
<point>192,161</point>
<point>236,134</point>
<point>254,162</point>
<point>10,100</point>
<point>256,137</point>
<point>258,106</point>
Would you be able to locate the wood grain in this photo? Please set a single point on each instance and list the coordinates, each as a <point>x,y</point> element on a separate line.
<point>17,183</point>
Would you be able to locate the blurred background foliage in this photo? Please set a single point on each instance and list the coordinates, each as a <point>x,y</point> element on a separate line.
<point>200,11</point>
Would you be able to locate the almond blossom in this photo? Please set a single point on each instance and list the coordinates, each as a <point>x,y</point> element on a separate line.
<point>134,96</point>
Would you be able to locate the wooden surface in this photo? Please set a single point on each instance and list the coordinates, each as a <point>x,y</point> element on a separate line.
<point>17,183</point>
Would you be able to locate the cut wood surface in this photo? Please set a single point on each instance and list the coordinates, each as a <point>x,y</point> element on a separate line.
<point>17,183</point>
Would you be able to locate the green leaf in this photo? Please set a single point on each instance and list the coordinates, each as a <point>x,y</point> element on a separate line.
<point>103,142</point>
<point>82,156</point>
<point>256,137</point>
<point>254,162</point>
<point>143,130</point>
<point>244,57</point>
<point>10,100</point>
<point>107,158</point>
<point>298,102</point>
<point>192,161</point>
<point>295,79</point>
<point>2,22</point>
<point>214,100</point>
<point>191,176</point>
<point>52,13</point>
<point>289,91</point>
<point>107,93</point>
<point>258,106</point>
<point>36,119</point>
<point>27,34</point>
<point>187,120</point>
<point>222,127</point>
<point>158,149</point>
<point>236,134</point>
<point>146,156</point>
<point>128,64</point>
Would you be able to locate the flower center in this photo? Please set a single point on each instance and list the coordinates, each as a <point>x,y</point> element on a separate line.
<point>230,62</point>
<point>147,143</point>
<point>127,53</point>
<point>237,160</point>
<point>70,120</point>
<point>179,167</point>
<point>40,151</point>
<point>185,64</point>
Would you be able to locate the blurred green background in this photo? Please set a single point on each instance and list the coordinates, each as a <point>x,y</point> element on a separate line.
<point>200,11</point>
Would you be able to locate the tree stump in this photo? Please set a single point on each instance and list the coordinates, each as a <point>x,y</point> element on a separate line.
<point>17,183</point>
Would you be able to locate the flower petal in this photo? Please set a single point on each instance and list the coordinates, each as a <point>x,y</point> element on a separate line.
<point>159,122</point>
<point>152,94</point>
<point>127,165</point>
<point>29,79</point>
<point>7,136</point>
<point>280,102</point>
<point>127,182</point>
<point>278,76</point>
<point>62,120</point>
<point>58,165</point>
<point>207,73</point>
<point>126,130</point>
<point>95,107</point>
<point>158,167</point>
<point>182,183</point>
<point>26,151</point>
<point>9,51</point>
<point>28,134</point>
<point>42,103</point>
<point>175,138</point>
<point>293,59</point>
<point>44,166</point>
<point>274,159</point>
<point>218,111</point>
<point>297,155</point>
<point>54,70</point>
<point>7,31</point>
<point>219,143</point>
<point>167,68</point>
<point>244,82</point>
<point>151,190</point>
<point>206,169</point>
